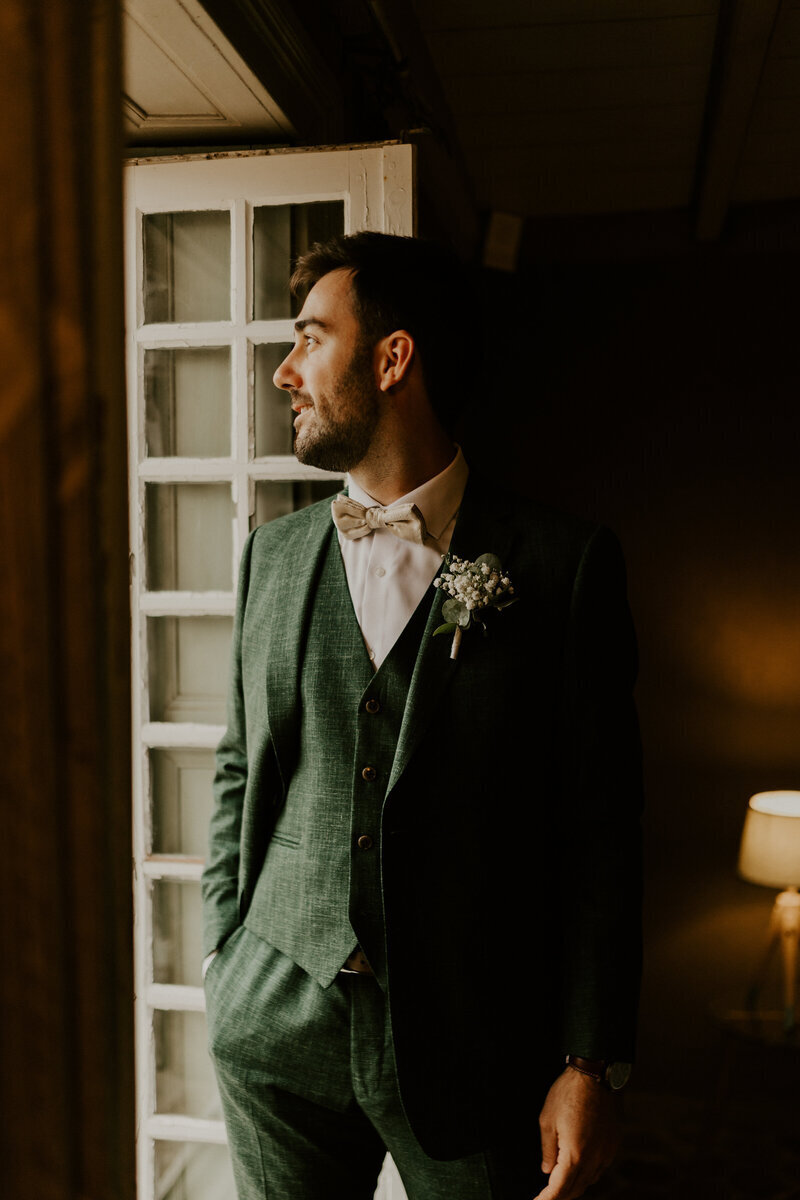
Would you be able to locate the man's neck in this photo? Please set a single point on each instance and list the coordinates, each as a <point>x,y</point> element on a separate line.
<point>387,477</point>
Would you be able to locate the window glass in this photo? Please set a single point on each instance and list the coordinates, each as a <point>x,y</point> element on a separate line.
<point>188,667</point>
<point>273,406</point>
<point>177,933</point>
<point>180,783</point>
<point>189,537</point>
<point>185,1080</point>
<point>281,233</point>
<point>187,266</point>
<point>191,1171</point>
<point>188,402</point>
<point>276,498</point>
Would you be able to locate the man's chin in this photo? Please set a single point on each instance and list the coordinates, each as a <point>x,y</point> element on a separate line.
<point>325,458</point>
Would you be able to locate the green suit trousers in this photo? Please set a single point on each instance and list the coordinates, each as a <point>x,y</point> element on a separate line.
<point>309,1090</point>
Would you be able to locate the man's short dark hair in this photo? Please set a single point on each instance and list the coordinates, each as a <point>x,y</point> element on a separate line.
<point>402,283</point>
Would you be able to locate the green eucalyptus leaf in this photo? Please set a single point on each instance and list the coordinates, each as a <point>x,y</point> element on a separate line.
<point>491,560</point>
<point>450,627</point>
<point>456,611</point>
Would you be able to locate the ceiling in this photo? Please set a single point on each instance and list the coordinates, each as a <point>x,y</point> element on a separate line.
<point>586,106</point>
<point>541,107</point>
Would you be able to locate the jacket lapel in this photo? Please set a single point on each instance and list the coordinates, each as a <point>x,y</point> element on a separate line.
<point>293,575</point>
<point>482,527</point>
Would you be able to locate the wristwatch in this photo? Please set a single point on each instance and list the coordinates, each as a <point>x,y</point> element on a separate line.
<point>613,1075</point>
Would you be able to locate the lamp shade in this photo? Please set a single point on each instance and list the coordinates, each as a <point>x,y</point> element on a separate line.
<point>770,849</point>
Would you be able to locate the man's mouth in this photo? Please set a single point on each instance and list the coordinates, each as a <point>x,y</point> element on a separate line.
<point>300,404</point>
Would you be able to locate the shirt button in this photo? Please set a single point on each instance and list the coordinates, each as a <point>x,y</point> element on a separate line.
<point>372,706</point>
<point>369,773</point>
<point>380,572</point>
<point>364,842</point>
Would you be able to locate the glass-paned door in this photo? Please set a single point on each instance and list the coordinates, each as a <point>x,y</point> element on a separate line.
<point>210,246</point>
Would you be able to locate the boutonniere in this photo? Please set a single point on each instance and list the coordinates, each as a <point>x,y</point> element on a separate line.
<point>473,587</point>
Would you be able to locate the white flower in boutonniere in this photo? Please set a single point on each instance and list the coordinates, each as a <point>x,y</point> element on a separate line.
<point>472,587</point>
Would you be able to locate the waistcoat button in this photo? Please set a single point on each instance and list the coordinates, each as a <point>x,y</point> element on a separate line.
<point>369,773</point>
<point>372,706</point>
<point>364,842</point>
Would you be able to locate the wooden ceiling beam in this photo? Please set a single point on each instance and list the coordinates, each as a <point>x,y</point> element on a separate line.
<point>744,38</point>
<point>274,41</point>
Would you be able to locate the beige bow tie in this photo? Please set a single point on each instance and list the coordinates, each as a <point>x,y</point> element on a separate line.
<point>353,520</point>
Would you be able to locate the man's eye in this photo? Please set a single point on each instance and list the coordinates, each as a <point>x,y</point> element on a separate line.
<point>309,340</point>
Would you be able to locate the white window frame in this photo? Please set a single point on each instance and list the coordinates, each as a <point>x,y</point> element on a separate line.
<point>376,183</point>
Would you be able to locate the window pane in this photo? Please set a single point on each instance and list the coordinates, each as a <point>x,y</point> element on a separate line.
<point>181,783</point>
<point>192,1171</point>
<point>276,499</point>
<point>188,663</point>
<point>188,402</point>
<point>189,537</point>
<point>187,266</point>
<point>185,1080</point>
<point>281,233</point>
<point>177,932</point>
<point>273,406</point>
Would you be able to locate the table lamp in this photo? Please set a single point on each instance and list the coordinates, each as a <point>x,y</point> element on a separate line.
<point>770,855</point>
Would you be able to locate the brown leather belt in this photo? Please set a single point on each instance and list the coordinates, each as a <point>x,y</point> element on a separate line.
<point>357,964</point>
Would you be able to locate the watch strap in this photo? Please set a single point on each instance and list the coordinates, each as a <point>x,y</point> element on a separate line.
<point>595,1068</point>
<point>613,1075</point>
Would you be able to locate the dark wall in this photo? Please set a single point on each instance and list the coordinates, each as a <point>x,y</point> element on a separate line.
<point>661,398</point>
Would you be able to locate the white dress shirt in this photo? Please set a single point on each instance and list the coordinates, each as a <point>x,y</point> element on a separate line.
<point>387,576</point>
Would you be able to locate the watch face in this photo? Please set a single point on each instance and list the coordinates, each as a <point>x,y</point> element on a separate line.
<point>617,1075</point>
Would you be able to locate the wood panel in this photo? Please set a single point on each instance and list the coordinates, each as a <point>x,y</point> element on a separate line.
<point>762,181</point>
<point>573,192</point>
<point>155,81</point>
<point>580,127</point>
<point>613,44</point>
<point>182,78</point>
<point>275,41</point>
<point>499,94</point>
<point>771,115</point>
<point>786,38</point>
<point>589,157</point>
<point>472,14</point>
<point>744,46</point>
<point>771,145</point>
<point>780,79</point>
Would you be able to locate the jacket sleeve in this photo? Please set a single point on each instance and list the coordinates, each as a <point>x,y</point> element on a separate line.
<point>601,804</point>
<point>220,884</point>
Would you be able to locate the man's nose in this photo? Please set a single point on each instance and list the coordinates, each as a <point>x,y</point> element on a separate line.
<point>286,375</point>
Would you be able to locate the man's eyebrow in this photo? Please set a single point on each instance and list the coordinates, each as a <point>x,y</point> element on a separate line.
<point>299,326</point>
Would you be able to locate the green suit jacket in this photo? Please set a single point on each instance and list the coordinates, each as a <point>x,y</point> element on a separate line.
<point>510,855</point>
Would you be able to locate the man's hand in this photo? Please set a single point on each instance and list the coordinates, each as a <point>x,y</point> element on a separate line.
<point>579,1135</point>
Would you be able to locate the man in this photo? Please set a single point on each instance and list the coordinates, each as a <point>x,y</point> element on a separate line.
<point>422,890</point>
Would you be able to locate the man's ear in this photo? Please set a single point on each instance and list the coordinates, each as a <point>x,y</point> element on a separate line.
<point>395,358</point>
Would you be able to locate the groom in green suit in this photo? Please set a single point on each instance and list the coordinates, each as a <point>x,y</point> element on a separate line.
<point>422,891</point>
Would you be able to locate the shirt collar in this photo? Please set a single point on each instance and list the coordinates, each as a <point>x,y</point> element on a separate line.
<point>438,499</point>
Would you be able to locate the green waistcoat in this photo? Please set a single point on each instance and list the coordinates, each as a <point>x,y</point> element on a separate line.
<point>319,890</point>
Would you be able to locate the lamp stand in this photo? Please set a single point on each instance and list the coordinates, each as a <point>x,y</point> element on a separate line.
<point>784,930</point>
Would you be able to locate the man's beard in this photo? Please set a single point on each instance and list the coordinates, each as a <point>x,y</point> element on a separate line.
<point>341,440</point>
